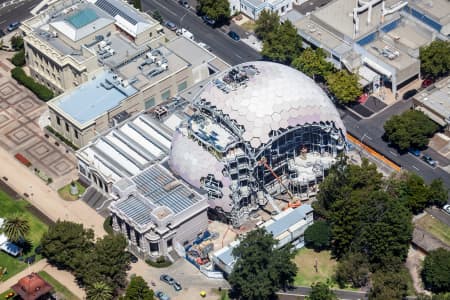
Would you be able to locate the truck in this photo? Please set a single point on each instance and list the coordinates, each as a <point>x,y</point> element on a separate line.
<point>186,33</point>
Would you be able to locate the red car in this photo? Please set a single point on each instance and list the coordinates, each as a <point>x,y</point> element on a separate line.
<point>427,82</point>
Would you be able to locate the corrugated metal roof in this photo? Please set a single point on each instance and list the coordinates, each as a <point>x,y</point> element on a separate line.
<point>136,209</point>
<point>285,222</point>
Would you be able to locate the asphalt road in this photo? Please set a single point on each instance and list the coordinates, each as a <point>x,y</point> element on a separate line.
<point>223,46</point>
<point>370,131</point>
<point>439,214</point>
<point>16,12</point>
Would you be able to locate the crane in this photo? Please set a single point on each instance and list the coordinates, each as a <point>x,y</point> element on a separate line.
<point>295,201</point>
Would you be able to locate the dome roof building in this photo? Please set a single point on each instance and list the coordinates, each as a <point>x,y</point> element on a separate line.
<point>259,127</point>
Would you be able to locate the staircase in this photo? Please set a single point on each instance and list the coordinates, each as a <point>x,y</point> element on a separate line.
<point>93,197</point>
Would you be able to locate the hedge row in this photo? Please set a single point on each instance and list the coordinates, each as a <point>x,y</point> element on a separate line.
<point>61,137</point>
<point>19,58</point>
<point>41,91</point>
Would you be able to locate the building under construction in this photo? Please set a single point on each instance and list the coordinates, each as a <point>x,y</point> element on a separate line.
<point>258,129</point>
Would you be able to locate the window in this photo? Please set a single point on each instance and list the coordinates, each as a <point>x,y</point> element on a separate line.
<point>182,86</point>
<point>58,120</point>
<point>165,95</point>
<point>67,127</point>
<point>149,103</point>
<point>76,134</point>
<point>169,243</point>
<point>154,248</point>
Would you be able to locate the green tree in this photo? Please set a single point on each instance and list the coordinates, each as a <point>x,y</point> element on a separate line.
<point>283,44</point>
<point>410,129</point>
<point>317,236</point>
<point>100,291</point>
<point>19,58</point>
<point>218,10</point>
<point>16,227</point>
<point>157,16</point>
<point>436,270</point>
<point>137,4</point>
<point>389,284</point>
<point>107,262</point>
<point>321,291</point>
<point>435,59</point>
<point>260,269</point>
<point>267,22</point>
<point>352,269</point>
<point>66,243</point>
<point>138,290</point>
<point>438,193</point>
<point>17,42</point>
<point>344,86</point>
<point>313,63</point>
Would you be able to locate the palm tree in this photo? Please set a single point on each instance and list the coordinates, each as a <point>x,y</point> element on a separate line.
<point>99,291</point>
<point>16,228</point>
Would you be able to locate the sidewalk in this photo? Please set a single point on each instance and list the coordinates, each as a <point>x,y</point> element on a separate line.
<point>44,198</point>
<point>64,277</point>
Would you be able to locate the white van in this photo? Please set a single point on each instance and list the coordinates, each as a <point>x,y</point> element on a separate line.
<point>187,34</point>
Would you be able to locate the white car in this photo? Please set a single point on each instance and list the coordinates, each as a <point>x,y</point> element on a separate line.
<point>446,208</point>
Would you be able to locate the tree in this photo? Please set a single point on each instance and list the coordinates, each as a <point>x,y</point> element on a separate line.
<point>107,262</point>
<point>321,291</point>
<point>157,16</point>
<point>313,63</point>
<point>283,44</point>
<point>344,86</point>
<point>260,269</point>
<point>317,236</point>
<point>436,270</point>
<point>17,42</point>
<point>267,22</point>
<point>99,291</point>
<point>66,244</point>
<point>19,58</point>
<point>389,284</point>
<point>138,290</point>
<point>438,193</point>
<point>412,129</point>
<point>435,59</point>
<point>137,4</point>
<point>414,192</point>
<point>218,10</point>
<point>352,269</point>
<point>16,228</point>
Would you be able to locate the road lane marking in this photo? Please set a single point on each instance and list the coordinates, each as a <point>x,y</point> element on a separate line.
<point>166,8</point>
<point>393,153</point>
<point>238,55</point>
<point>415,167</point>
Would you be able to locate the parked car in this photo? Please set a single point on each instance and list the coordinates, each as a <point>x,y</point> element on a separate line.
<point>171,25</point>
<point>414,151</point>
<point>167,279</point>
<point>161,296</point>
<point>13,26</point>
<point>446,208</point>
<point>429,160</point>
<point>234,35</point>
<point>133,258</point>
<point>208,20</point>
<point>184,3</point>
<point>177,286</point>
<point>409,94</point>
<point>427,82</point>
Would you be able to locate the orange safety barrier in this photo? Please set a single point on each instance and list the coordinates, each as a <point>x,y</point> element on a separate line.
<point>374,153</point>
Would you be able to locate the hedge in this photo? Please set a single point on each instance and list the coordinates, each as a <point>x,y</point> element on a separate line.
<point>61,137</point>
<point>41,91</point>
<point>19,58</point>
<point>160,262</point>
<point>107,225</point>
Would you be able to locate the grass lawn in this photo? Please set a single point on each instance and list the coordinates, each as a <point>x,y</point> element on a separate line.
<point>305,261</point>
<point>64,192</point>
<point>37,229</point>
<point>249,26</point>
<point>435,227</point>
<point>59,288</point>
<point>3,295</point>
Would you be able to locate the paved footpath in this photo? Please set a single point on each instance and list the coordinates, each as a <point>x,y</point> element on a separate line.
<point>44,198</point>
<point>63,277</point>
